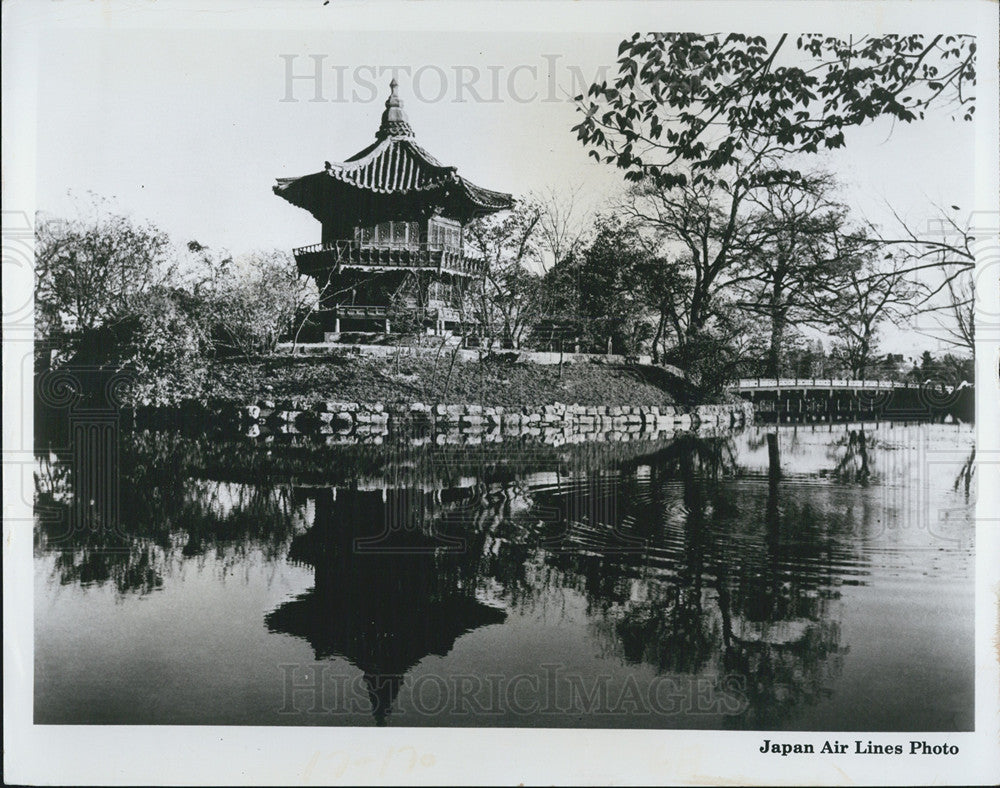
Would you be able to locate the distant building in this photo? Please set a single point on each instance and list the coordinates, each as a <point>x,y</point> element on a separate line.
<point>893,366</point>
<point>392,248</point>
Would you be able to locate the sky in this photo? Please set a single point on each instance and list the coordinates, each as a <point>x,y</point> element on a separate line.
<point>189,127</point>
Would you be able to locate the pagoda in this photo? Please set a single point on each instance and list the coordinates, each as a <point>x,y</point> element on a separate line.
<point>391,255</point>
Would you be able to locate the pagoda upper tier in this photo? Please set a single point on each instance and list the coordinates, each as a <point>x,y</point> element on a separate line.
<point>393,178</point>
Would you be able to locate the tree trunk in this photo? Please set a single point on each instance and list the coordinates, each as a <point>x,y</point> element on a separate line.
<point>863,357</point>
<point>658,336</point>
<point>778,321</point>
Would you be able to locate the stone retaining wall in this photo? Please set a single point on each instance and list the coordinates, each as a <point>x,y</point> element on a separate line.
<point>553,423</point>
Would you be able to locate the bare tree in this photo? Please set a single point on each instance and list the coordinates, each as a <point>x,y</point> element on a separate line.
<point>961,331</point>
<point>508,299</point>
<point>563,224</point>
<point>941,263</point>
<point>792,257</point>
<point>874,291</point>
<point>945,248</point>
<point>696,224</point>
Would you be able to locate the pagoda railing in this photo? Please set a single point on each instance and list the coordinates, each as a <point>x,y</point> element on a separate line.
<point>381,312</point>
<point>386,255</point>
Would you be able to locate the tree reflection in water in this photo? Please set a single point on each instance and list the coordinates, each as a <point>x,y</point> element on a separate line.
<point>734,586</point>
<point>159,517</point>
<point>965,475</point>
<point>686,565</point>
<point>778,633</point>
<point>851,455</point>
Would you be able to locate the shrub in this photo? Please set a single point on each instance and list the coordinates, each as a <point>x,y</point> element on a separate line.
<point>252,305</point>
<point>711,364</point>
<point>167,352</point>
<point>160,348</point>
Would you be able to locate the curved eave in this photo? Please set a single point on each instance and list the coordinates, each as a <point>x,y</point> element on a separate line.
<point>485,201</point>
<point>309,192</point>
<point>395,168</point>
<point>318,193</point>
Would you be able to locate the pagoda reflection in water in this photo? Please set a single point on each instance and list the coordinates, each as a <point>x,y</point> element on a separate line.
<point>384,599</point>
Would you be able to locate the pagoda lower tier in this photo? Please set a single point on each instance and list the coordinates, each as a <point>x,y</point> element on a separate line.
<point>370,288</point>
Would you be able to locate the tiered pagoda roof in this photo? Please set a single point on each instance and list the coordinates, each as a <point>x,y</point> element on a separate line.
<point>394,165</point>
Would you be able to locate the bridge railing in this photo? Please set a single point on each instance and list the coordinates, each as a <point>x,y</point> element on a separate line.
<point>750,384</point>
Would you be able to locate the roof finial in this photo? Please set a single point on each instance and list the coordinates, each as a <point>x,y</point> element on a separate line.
<point>394,120</point>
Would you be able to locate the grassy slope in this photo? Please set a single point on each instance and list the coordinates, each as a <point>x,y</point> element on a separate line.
<point>492,382</point>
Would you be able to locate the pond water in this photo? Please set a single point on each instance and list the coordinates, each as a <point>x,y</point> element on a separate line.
<point>808,577</point>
